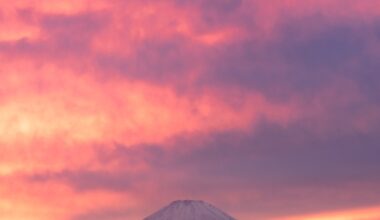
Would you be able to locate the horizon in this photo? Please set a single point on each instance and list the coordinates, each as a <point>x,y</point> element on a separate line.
<point>267,109</point>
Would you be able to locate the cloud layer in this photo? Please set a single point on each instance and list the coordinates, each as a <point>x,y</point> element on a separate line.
<point>267,109</point>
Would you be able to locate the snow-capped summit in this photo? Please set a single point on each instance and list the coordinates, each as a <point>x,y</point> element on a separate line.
<point>189,210</point>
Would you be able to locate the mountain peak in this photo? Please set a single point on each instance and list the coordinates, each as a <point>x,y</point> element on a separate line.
<point>189,210</point>
<point>186,202</point>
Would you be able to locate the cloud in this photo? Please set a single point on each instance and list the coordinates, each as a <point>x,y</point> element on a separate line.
<point>255,106</point>
<point>272,168</point>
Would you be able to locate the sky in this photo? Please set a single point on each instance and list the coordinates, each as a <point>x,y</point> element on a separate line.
<point>267,109</point>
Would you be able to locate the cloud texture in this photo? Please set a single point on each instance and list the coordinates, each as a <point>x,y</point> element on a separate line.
<point>267,109</point>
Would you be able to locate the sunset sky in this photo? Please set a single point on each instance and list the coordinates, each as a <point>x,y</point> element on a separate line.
<point>267,109</point>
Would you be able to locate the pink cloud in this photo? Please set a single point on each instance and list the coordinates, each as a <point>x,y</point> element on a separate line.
<point>86,86</point>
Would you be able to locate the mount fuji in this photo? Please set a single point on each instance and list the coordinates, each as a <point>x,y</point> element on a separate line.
<point>189,210</point>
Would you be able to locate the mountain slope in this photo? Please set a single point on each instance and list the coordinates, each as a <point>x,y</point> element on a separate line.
<point>189,210</point>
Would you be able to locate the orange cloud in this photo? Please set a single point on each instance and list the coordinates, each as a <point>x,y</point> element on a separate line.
<point>22,200</point>
<point>370,213</point>
<point>46,106</point>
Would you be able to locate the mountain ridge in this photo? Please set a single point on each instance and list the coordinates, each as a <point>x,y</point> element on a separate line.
<point>189,210</point>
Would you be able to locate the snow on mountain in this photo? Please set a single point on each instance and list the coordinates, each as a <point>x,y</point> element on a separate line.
<point>189,210</point>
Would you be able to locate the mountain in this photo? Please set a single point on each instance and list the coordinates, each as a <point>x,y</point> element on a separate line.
<point>189,210</point>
